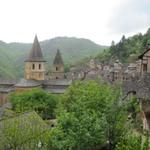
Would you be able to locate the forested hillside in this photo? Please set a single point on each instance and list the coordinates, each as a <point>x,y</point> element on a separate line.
<point>12,55</point>
<point>127,49</point>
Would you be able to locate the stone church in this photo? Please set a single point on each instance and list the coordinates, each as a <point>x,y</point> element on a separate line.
<point>35,75</point>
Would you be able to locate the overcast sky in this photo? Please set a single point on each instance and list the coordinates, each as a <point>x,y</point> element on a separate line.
<point>98,20</point>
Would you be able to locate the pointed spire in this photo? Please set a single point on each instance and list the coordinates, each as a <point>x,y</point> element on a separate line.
<point>58,59</point>
<point>36,52</point>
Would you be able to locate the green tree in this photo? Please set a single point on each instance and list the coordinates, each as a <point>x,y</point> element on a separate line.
<point>36,99</point>
<point>82,117</point>
<point>130,142</point>
<point>117,125</point>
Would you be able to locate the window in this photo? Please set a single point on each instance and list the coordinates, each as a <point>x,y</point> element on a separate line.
<point>33,66</point>
<point>56,68</point>
<point>144,67</point>
<point>39,66</point>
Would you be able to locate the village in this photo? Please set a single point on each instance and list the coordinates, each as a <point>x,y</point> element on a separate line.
<point>134,78</point>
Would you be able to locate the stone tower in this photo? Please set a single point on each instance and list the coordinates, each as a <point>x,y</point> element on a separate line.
<point>34,65</point>
<point>58,67</point>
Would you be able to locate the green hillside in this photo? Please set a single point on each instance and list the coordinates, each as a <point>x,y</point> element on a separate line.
<point>12,55</point>
<point>127,49</point>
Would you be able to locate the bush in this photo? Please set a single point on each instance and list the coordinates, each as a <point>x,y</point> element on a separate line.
<point>36,99</point>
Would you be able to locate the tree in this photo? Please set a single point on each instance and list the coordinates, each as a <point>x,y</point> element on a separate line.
<point>117,125</point>
<point>24,132</point>
<point>82,117</point>
<point>36,99</point>
<point>130,142</point>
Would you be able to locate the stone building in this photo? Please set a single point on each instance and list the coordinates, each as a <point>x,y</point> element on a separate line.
<point>145,61</point>
<point>58,67</point>
<point>139,86</point>
<point>35,75</point>
<point>35,64</point>
<point>116,72</point>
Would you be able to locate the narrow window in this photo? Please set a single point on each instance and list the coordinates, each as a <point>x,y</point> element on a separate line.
<point>33,66</point>
<point>39,66</point>
<point>144,67</point>
<point>56,68</point>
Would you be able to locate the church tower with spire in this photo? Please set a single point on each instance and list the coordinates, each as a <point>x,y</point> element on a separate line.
<point>58,66</point>
<point>34,65</point>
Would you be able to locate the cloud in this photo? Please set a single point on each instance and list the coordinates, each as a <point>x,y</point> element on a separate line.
<point>130,16</point>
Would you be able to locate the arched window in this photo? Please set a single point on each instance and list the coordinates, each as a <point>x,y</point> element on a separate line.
<point>39,66</point>
<point>33,66</point>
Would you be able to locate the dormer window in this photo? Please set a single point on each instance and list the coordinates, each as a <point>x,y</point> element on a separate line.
<point>33,66</point>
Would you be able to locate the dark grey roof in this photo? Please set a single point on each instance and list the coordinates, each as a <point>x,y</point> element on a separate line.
<point>35,54</point>
<point>55,91</point>
<point>4,81</point>
<point>141,56</point>
<point>6,89</point>
<point>58,82</point>
<point>28,83</point>
<point>58,59</point>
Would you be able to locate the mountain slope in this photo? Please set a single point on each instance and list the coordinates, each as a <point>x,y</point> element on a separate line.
<point>127,49</point>
<point>12,55</point>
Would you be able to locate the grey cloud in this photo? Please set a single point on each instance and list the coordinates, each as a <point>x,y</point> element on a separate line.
<point>132,16</point>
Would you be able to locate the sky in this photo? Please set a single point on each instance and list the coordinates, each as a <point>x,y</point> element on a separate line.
<point>98,20</point>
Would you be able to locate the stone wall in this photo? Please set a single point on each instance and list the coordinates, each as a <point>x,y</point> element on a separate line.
<point>3,98</point>
<point>35,71</point>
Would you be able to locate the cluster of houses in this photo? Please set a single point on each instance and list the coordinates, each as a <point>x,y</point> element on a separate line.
<point>135,77</point>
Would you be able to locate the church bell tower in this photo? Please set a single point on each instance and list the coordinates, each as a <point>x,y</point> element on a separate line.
<point>58,66</point>
<point>35,64</point>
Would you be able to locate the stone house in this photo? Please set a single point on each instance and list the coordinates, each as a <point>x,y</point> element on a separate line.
<point>139,86</point>
<point>145,61</point>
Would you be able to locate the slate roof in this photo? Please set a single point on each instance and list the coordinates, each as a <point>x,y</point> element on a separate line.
<point>35,54</point>
<point>141,56</point>
<point>4,81</point>
<point>58,59</point>
<point>6,89</point>
<point>64,82</point>
<point>55,91</point>
<point>28,83</point>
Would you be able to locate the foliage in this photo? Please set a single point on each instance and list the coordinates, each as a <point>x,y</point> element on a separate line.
<point>36,99</point>
<point>26,131</point>
<point>117,124</point>
<point>127,49</point>
<point>130,142</point>
<point>85,116</point>
<point>134,141</point>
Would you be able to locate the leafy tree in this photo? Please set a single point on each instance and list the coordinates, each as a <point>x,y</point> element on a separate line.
<point>24,132</point>
<point>82,117</point>
<point>36,99</point>
<point>117,125</point>
<point>130,142</point>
